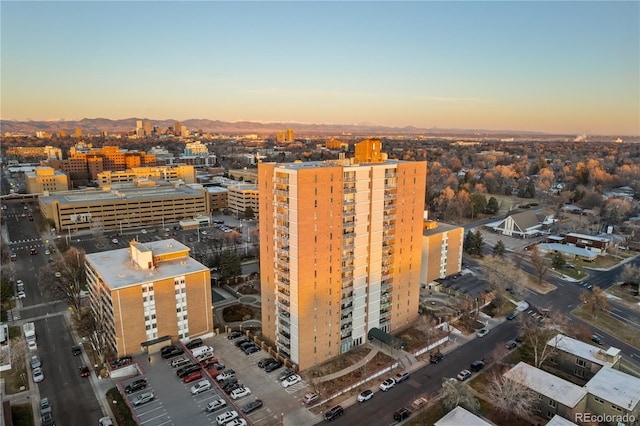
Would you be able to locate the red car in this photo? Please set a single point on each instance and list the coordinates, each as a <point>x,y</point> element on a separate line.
<point>207,362</point>
<point>193,376</point>
<point>84,371</point>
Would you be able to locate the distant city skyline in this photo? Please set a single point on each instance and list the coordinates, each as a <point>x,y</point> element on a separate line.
<point>554,67</point>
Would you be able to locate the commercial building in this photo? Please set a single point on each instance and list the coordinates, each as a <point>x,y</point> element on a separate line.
<point>186,174</point>
<point>340,247</point>
<point>147,291</point>
<point>45,179</point>
<point>125,207</point>
<point>241,196</point>
<point>218,197</point>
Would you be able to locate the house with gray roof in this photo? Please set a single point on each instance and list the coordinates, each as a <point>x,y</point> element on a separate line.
<point>579,359</point>
<point>525,224</point>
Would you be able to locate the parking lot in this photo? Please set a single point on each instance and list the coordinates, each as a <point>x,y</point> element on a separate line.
<point>173,403</point>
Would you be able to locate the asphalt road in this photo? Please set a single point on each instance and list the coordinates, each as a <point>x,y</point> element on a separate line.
<point>427,380</point>
<point>71,396</point>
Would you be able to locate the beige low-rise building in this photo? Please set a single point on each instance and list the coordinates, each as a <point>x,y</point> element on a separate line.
<point>241,196</point>
<point>441,251</point>
<point>183,173</point>
<point>45,179</point>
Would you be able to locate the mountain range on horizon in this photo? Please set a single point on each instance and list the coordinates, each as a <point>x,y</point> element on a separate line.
<point>93,126</point>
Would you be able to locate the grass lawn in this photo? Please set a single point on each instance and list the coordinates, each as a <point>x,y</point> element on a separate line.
<point>619,292</point>
<point>622,330</point>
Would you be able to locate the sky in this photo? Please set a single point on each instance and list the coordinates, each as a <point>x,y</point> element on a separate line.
<point>559,67</point>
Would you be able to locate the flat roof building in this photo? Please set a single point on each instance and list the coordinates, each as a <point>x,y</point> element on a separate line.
<point>241,196</point>
<point>148,290</point>
<point>340,251</point>
<point>125,207</point>
<point>45,179</point>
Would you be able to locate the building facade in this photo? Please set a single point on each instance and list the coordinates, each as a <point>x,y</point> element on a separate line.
<point>147,291</point>
<point>184,173</point>
<point>123,208</point>
<point>340,247</point>
<point>441,251</point>
<point>45,179</point>
<point>239,197</point>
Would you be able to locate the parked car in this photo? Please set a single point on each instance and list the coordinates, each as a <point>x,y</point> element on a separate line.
<point>143,398</point>
<point>21,295</point>
<point>226,417</point>
<point>286,373</point>
<point>234,335</point>
<point>596,339</point>
<point>237,422</point>
<point>264,361</point>
<point>194,343</point>
<point>476,366</point>
<point>35,362</point>
<point>333,413</point>
<point>105,421</point>
<point>47,419</point>
<point>464,375</point>
<point>242,341</point>
<point>512,315</point>
<point>216,404</point>
<point>209,362</point>
<point>365,395</point>
<point>511,344</point>
<point>180,362</point>
<point>121,362</point>
<point>225,375</point>
<point>436,358</point>
<point>38,375</point>
<point>182,372</point>
<point>84,371</point>
<point>76,350</point>
<point>201,386</point>
<point>171,353</point>
<point>272,366</point>
<point>251,350</point>
<point>401,414</point>
<point>192,377</point>
<point>252,406</point>
<point>240,392</point>
<point>45,406</point>
<point>135,385</point>
<point>309,397</point>
<point>401,377</point>
<point>387,384</point>
<point>291,380</point>
<point>482,333</point>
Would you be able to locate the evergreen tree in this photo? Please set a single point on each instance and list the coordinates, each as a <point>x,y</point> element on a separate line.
<point>230,265</point>
<point>499,249</point>
<point>248,213</point>
<point>558,261</point>
<point>492,206</point>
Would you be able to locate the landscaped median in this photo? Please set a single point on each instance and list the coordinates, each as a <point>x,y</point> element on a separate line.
<point>624,331</point>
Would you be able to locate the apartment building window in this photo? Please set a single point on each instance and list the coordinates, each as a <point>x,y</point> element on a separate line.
<point>579,372</point>
<point>615,407</point>
<point>552,403</point>
<point>581,362</point>
<point>598,400</point>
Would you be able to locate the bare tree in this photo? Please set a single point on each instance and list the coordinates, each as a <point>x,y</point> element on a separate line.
<point>631,275</point>
<point>509,396</point>
<point>537,333</point>
<point>595,301</point>
<point>455,393</point>
<point>92,328</point>
<point>65,279</point>
<point>539,263</point>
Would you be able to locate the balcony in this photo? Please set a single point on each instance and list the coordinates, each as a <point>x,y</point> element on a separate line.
<point>348,267</point>
<point>283,305</point>
<point>390,196</point>
<point>348,244</point>
<point>389,216</point>
<point>346,307</point>
<point>385,305</point>
<point>346,321</point>
<point>388,236</point>
<point>284,340</point>
<point>281,192</point>
<point>348,179</point>
<point>348,201</point>
<point>282,217</point>
<point>345,334</point>
<point>281,181</point>
<point>284,326</point>
<point>348,235</point>
<point>349,223</point>
<point>283,274</point>
<point>349,190</point>
<point>347,281</point>
<point>347,300</point>
<point>282,239</point>
<point>282,228</point>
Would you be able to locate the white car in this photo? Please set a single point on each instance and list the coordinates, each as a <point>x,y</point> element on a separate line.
<point>201,386</point>
<point>57,274</point>
<point>114,241</point>
<point>144,231</point>
<point>203,232</point>
<point>32,345</point>
<point>365,395</point>
<point>240,392</point>
<point>482,332</point>
<point>387,384</point>
<point>291,380</point>
<point>21,295</point>
<point>216,404</point>
<point>464,375</point>
<point>142,398</point>
<point>237,422</point>
<point>226,417</point>
<point>38,374</point>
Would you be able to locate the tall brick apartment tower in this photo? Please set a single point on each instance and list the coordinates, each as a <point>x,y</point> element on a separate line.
<point>340,251</point>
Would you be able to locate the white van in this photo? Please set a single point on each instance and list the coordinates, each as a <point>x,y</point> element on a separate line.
<point>196,352</point>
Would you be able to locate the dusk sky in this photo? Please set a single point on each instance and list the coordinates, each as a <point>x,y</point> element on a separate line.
<point>560,67</point>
